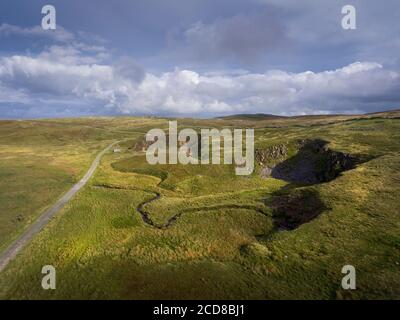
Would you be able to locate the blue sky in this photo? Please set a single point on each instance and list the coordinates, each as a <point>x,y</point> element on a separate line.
<point>198,58</point>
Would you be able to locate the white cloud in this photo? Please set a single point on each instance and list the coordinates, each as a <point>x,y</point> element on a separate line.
<point>10,95</point>
<point>60,34</point>
<point>73,54</point>
<point>62,45</point>
<point>64,73</point>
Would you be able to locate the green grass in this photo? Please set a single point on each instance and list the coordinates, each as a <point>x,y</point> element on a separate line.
<point>224,244</point>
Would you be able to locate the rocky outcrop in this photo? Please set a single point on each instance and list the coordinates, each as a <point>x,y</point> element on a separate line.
<point>272,153</point>
<point>266,172</point>
<point>313,163</point>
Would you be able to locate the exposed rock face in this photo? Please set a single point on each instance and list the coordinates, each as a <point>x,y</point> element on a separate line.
<point>314,163</point>
<point>276,152</point>
<point>266,172</point>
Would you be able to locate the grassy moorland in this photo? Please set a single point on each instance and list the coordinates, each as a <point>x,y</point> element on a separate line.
<point>41,159</point>
<point>220,237</point>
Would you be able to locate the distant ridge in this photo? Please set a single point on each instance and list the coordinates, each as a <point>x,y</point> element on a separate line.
<point>266,116</point>
<point>386,111</point>
<point>254,116</point>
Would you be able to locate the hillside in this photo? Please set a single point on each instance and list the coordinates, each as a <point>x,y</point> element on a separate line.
<point>138,231</point>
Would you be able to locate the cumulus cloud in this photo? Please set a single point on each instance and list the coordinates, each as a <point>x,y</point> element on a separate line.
<point>64,74</point>
<point>74,54</point>
<point>129,69</point>
<point>61,44</point>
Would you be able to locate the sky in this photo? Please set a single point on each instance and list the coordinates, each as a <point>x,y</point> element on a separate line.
<point>198,58</point>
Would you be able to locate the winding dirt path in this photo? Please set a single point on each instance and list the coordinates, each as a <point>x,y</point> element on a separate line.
<point>14,248</point>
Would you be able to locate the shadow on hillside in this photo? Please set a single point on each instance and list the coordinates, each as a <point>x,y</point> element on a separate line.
<point>315,163</point>
<point>294,207</point>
